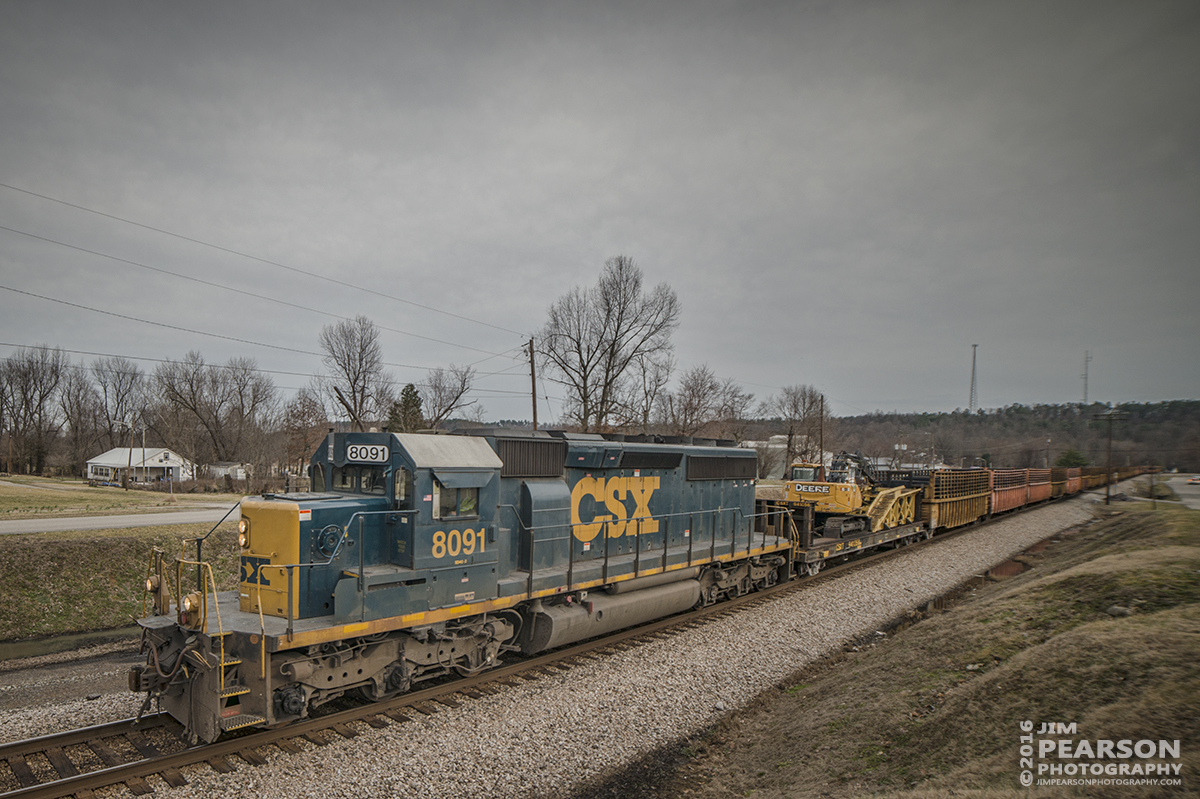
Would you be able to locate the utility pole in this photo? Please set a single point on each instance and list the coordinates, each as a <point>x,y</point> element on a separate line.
<point>974,397</point>
<point>1110,417</point>
<point>822,436</point>
<point>1087,358</point>
<point>533,383</point>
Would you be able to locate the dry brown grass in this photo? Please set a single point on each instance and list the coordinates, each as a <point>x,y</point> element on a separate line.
<point>57,583</point>
<point>908,717</point>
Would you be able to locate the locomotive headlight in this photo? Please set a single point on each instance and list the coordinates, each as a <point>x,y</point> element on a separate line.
<point>152,583</point>
<point>191,602</point>
<point>244,533</point>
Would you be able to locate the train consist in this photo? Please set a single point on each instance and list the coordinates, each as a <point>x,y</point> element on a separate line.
<point>415,557</point>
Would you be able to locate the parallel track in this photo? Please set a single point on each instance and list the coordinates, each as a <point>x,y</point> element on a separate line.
<point>378,715</point>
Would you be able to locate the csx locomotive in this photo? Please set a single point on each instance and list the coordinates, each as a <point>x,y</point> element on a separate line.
<point>417,556</point>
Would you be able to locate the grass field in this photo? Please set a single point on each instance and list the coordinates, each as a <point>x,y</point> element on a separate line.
<point>934,711</point>
<point>31,498</point>
<point>55,583</point>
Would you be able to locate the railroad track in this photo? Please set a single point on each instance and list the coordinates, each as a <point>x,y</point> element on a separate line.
<point>80,761</point>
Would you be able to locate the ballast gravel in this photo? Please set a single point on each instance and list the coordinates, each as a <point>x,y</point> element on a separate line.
<point>546,737</point>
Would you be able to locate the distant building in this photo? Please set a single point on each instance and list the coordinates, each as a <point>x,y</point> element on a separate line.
<point>145,465</point>
<point>230,469</point>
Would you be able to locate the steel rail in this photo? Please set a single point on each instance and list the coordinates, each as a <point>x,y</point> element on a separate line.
<point>424,702</point>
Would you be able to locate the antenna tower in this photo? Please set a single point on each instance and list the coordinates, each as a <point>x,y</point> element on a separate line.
<point>1087,358</point>
<point>974,396</point>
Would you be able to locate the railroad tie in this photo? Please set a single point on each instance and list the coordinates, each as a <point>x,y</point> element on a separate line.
<point>144,747</point>
<point>21,770</point>
<point>252,757</point>
<point>288,745</point>
<point>138,786</point>
<point>344,731</point>
<point>220,764</point>
<point>62,764</point>
<point>104,752</point>
<point>174,777</point>
<point>376,722</point>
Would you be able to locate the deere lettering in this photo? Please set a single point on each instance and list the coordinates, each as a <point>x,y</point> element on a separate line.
<point>591,495</point>
<point>812,489</point>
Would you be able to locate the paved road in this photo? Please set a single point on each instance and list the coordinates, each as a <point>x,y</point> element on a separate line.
<point>1189,495</point>
<point>9,527</point>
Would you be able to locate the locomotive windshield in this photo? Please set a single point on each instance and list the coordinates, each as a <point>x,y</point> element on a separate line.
<point>360,480</point>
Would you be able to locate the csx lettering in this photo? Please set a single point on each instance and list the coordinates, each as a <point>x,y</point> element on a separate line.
<point>611,495</point>
<point>457,543</point>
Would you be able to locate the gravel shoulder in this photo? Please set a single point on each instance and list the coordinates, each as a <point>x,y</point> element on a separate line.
<point>548,737</point>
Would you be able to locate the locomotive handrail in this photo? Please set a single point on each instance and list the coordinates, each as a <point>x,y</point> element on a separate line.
<point>286,569</point>
<point>199,541</point>
<point>665,518</point>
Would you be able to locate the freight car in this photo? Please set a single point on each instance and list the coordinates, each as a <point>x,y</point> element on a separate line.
<point>416,557</point>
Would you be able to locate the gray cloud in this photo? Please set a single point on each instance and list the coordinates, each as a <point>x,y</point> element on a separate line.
<point>846,194</point>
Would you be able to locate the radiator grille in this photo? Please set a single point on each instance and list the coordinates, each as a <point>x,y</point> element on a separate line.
<point>721,468</point>
<point>531,457</point>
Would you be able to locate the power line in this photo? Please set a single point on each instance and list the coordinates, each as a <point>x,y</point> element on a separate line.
<point>161,324</point>
<point>225,287</point>
<point>267,261</point>
<point>257,370</point>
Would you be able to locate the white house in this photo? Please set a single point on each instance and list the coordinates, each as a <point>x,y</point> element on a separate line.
<point>148,464</point>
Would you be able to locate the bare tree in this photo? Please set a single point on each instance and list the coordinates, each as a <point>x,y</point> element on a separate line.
<point>357,381</point>
<point>80,406</point>
<point>593,336</point>
<point>644,391</point>
<point>801,408</point>
<point>694,405</point>
<point>305,424</point>
<point>32,379</point>
<point>734,409</point>
<point>232,404</point>
<point>122,394</point>
<point>445,392</point>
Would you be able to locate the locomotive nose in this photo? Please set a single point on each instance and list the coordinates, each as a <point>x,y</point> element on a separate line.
<point>269,537</point>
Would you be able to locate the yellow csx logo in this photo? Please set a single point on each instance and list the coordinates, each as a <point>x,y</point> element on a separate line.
<point>610,495</point>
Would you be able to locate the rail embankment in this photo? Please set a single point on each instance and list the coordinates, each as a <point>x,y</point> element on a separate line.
<point>1100,632</point>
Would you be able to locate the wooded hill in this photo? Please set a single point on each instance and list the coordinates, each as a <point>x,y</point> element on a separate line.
<point>1024,436</point>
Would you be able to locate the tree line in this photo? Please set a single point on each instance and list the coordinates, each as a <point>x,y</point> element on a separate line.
<point>607,347</point>
<point>1165,434</point>
<point>56,414</point>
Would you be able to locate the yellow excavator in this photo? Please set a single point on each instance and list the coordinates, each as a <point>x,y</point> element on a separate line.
<point>850,498</point>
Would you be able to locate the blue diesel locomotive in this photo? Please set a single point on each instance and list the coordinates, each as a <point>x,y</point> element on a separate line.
<point>418,556</point>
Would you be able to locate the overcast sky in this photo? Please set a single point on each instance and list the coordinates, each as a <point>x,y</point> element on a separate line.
<point>846,194</point>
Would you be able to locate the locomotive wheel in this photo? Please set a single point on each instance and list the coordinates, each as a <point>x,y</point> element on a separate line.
<point>811,569</point>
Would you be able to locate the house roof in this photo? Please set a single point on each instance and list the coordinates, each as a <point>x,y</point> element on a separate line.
<point>119,457</point>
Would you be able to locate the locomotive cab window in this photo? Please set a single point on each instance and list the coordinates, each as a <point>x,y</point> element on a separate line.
<point>316,476</point>
<point>372,480</point>
<point>403,490</point>
<point>345,478</point>
<point>450,503</point>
